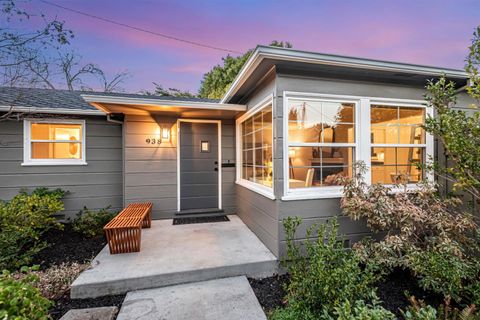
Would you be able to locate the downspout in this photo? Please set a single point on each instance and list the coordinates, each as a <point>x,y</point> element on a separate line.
<point>109,119</point>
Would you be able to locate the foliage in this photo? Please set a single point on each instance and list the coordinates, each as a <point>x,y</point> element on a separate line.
<point>323,275</point>
<point>473,66</point>
<point>22,222</point>
<point>19,299</point>
<point>360,311</point>
<point>418,231</point>
<point>90,223</point>
<point>170,92</point>
<point>55,281</point>
<point>418,310</point>
<point>216,82</point>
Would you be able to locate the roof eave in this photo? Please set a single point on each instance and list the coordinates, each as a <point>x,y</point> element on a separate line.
<point>99,99</point>
<point>51,110</point>
<point>262,52</point>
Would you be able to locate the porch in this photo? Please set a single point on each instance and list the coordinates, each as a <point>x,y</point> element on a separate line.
<point>173,254</point>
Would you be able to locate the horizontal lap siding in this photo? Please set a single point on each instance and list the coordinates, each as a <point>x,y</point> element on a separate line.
<point>96,185</point>
<point>151,170</point>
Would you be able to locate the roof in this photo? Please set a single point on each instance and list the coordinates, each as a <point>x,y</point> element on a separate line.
<point>44,100</point>
<point>295,58</point>
<point>65,101</point>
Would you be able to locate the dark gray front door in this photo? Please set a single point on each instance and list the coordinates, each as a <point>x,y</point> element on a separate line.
<point>198,165</point>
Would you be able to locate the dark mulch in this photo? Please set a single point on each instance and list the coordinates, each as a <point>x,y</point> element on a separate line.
<point>68,246</point>
<point>64,304</point>
<point>269,291</point>
<point>397,287</point>
<point>392,291</point>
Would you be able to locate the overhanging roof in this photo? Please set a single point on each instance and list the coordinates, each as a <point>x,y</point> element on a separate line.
<point>264,58</point>
<point>162,105</point>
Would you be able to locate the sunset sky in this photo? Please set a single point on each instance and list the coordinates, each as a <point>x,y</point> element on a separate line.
<point>433,32</point>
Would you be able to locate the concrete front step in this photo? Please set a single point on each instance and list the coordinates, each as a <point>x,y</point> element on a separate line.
<point>178,254</point>
<point>229,298</point>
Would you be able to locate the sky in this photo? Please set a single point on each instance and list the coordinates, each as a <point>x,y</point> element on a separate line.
<point>431,32</point>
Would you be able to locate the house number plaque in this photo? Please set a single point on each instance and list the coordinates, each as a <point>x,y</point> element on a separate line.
<point>153,141</point>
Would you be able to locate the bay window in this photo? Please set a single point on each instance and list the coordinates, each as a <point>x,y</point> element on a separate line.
<point>321,142</point>
<point>256,147</point>
<point>54,142</point>
<point>325,134</point>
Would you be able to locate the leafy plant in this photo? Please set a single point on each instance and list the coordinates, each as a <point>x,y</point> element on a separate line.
<point>19,299</point>
<point>418,310</point>
<point>90,223</point>
<point>22,222</point>
<point>360,311</point>
<point>323,275</point>
<point>418,231</point>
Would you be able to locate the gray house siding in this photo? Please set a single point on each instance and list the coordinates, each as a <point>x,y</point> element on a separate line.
<point>96,185</point>
<point>151,170</point>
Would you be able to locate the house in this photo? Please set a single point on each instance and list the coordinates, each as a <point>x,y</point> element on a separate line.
<point>291,123</point>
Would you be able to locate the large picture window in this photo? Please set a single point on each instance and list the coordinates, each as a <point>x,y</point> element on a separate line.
<point>398,143</point>
<point>321,142</point>
<point>54,142</point>
<point>256,147</point>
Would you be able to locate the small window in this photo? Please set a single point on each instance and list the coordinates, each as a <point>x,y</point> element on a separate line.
<point>54,142</point>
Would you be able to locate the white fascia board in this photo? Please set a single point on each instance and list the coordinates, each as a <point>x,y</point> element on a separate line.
<point>157,102</point>
<point>52,110</point>
<point>263,52</point>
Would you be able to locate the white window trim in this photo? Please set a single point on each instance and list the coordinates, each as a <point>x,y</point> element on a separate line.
<point>362,141</point>
<point>255,187</point>
<point>28,161</point>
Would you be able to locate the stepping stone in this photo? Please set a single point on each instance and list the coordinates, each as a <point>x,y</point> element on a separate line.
<point>103,313</point>
<point>228,298</point>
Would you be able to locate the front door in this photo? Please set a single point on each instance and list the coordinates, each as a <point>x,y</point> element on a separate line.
<point>199,165</point>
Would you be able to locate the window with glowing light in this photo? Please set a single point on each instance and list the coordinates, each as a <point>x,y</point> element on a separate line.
<point>398,144</point>
<point>256,148</point>
<point>321,142</point>
<point>52,142</point>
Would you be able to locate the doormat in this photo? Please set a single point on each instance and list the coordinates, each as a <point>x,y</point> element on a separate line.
<point>191,220</point>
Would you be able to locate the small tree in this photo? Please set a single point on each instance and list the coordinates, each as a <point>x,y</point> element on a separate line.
<point>458,131</point>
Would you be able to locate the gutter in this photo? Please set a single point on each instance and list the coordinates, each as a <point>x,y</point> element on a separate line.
<point>52,110</point>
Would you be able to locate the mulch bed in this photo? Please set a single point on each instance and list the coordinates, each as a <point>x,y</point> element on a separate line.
<point>393,291</point>
<point>69,246</point>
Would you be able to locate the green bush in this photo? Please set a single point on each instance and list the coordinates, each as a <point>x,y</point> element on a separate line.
<point>323,274</point>
<point>360,311</point>
<point>90,223</point>
<point>20,300</point>
<point>23,220</point>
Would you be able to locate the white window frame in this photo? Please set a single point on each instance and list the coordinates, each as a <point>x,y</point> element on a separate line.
<point>27,152</point>
<point>256,187</point>
<point>362,141</point>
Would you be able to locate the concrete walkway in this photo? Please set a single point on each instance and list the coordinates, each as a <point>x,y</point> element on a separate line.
<point>229,298</point>
<point>178,254</point>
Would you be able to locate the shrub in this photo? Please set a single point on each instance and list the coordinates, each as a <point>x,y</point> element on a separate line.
<point>360,311</point>
<point>418,231</point>
<point>23,220</point>
<point>55,281</point>
<point>90,223</point>
<point>418,310</point>
<point>325,275</point>
<point>19,299</point>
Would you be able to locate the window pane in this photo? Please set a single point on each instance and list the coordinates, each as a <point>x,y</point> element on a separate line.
<point>411,115</point>
<point>56,131</point>
<point>412,135</point>
<point>332,175</point>
<point>384,134</point>
<point>335,112</point>
<point>337,156</point>
<point>56,150</point>
<point>304,177</point>
<point>339,133</point>
<point>383,115</point>
<point>391,165</point>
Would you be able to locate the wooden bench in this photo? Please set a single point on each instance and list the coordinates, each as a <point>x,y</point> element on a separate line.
<point>124,231</point>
